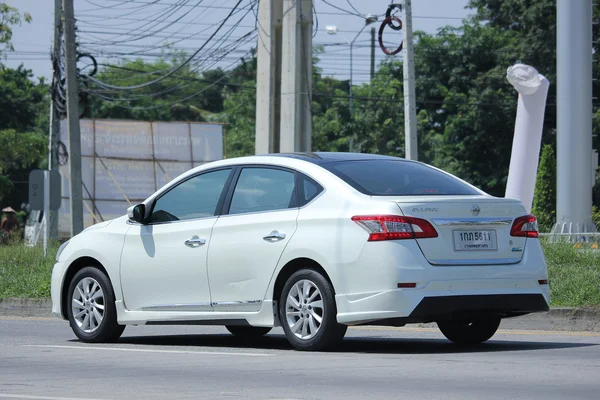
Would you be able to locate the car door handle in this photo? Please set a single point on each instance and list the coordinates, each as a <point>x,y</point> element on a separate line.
<point>274,237</point>
<point>195,241</point>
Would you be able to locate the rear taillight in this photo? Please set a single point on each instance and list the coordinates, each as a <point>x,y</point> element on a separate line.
<point>525,226</point>
<point>394,227</point>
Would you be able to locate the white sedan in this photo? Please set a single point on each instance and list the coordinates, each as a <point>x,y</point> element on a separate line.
<point>312,242</point>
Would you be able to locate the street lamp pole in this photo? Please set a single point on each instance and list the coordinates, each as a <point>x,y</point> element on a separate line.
<point>332,30</point>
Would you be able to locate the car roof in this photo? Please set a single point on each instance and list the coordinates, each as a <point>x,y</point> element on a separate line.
<point>327,157</point>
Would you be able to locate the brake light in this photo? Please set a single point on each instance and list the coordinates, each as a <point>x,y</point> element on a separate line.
<point>525,226</point>
<point>394,227</point>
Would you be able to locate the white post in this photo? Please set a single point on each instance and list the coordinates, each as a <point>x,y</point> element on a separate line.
<point>527,140</point>
<point>268,78</point>
<point>46,210</point>
<point>411,151</point>
<point>574,115</point>
<point>296,76</point>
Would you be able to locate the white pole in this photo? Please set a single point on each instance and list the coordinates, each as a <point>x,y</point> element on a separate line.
<point>296,76</point>
<point>410,107</point>
<point>574,115</point>
<point>268,78</point>
<point>527,139</point>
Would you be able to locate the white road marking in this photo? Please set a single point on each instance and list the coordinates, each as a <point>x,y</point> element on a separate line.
<point>29,397</point>
<point>208,353</point>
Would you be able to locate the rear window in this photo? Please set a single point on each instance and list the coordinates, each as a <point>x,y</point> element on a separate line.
<point>398,178</point>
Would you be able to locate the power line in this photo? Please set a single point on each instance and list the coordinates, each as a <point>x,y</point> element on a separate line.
<point>174,70</point>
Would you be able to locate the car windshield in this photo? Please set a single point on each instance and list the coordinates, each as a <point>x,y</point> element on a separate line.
<point>398,178</point>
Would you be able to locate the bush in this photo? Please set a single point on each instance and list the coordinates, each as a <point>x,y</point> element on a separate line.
<point>544,200</point>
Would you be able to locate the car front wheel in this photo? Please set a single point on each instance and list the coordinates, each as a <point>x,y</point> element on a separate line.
<point>469,332</point>
<point>307,311</point>
<point>91,308</point>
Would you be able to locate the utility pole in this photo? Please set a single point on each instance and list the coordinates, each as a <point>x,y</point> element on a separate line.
<point>410,107</point>
<point>52,221</point>
<point>76,196</point>
<point>268,79</point>
<point>296,76</point>
<point>372,53</point>
<point>574,116</point>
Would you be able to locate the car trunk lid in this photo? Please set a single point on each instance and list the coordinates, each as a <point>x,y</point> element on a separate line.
<point>472,230</point>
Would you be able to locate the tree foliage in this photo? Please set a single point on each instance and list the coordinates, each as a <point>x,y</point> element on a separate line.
<point>19,151</point>
<point>9,17</point>
<point>23,106</point>
<point>544,201</point>
<point>22,101</point>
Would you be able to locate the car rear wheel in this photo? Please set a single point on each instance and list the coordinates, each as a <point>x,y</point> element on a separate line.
<point>307,311</point>
<point>248,331</point>
<point>469,332</point>
<point>91,309</point>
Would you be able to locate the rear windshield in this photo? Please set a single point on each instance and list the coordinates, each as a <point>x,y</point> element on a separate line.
<point>398,178</point>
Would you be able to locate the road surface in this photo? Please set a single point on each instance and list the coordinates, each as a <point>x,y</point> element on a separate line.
<point>41,359</point>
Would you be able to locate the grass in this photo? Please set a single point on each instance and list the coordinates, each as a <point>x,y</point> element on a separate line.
<point>574,273</point>
<point>25,272</point>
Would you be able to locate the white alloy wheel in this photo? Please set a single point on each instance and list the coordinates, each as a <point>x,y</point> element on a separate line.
<point>88,304</point>
<point>304,310</point>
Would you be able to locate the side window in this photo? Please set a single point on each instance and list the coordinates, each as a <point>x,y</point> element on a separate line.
<point>310,190</point>
<point>195,198</point>
<point>263,189</point>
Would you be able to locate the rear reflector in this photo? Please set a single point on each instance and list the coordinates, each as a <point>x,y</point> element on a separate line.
<point>403,285</point>
<point>394,227</point>
<point>525,226</point>
<point>543,281</point>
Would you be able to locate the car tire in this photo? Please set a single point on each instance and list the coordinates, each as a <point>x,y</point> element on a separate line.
<point>469,332</point>
<point>307,312</point>
<point>248,331</point>
<point>91,307</point>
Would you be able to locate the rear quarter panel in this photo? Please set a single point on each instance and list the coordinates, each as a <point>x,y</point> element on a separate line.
<point>327,234</point>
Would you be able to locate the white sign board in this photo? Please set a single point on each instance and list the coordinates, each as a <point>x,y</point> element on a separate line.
<point>135,158</point>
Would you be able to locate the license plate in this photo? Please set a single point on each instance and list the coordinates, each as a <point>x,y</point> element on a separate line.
<point>475,240</point>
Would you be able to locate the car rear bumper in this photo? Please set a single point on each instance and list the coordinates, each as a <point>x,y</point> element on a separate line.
<point>403,306</point>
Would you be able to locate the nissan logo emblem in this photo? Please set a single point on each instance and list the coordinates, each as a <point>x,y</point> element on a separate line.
<point>475,210</point>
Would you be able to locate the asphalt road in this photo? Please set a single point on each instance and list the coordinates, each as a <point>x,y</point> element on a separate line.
<point>40,359</point>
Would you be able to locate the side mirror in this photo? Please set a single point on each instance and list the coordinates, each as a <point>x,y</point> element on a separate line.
<point>136,213</point>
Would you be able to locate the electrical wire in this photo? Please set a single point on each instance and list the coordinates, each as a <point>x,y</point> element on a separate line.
<point>178,68</point>
<point>356,14</point>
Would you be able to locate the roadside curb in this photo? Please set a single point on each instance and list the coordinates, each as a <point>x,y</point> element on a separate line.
<point>557,319</point>
<point>25,307</point>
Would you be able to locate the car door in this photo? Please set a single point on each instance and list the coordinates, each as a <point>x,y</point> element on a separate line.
<point>259,219</point>
<point>163,264</point>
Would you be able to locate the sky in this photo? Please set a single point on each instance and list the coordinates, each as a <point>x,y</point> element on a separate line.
<point>101,20</point>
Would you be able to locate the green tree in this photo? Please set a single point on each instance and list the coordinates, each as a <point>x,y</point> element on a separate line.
<point>9,17</point>
<point>22,106</point>
<point>176,98</point>
<point>19,152</point>
<point>22,101</point>
<point>544,201</point>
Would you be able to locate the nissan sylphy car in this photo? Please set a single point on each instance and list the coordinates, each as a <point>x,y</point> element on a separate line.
<point>311,242</point>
